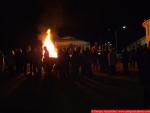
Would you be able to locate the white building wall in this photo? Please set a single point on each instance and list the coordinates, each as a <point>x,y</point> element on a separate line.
<point>136,43</point>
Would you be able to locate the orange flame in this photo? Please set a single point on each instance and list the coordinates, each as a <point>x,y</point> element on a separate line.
<point>49,45</point>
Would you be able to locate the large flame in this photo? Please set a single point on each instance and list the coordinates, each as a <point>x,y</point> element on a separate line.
<point>47,42</point>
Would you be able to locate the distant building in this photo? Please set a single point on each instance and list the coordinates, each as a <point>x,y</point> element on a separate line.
<point>143,40</point>
<point>136,43</point>
<point>65,42</point>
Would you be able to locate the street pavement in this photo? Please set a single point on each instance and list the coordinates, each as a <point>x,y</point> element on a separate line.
<point>50,94</point>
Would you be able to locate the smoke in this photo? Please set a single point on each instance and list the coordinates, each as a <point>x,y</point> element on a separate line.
<point>52,15</point>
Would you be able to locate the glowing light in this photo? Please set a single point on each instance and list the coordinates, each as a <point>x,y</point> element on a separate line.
<point>124,27</point>
<point>48,43</point>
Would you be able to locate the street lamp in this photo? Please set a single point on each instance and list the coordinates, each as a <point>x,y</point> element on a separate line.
<point>124,27</point>
<point>116,35</point>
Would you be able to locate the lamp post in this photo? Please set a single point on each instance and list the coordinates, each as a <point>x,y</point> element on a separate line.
<point>116,39</point>
<point>116,36</point>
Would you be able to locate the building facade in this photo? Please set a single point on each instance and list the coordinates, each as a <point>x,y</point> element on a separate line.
<point>143,40</point>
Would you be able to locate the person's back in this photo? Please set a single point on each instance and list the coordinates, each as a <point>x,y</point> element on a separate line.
<point>112,58</point>
<point>112,61</point>
<point>46,54</point>
<point>145,78</point>
<point>11,62</point>
<point>1,61</point>
<point>125,61</point>
<point>145,64</point>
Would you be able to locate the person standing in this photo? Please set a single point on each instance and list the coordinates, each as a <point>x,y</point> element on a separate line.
<point>112,61</point>
<point>46,60</point>
<point>145,74</point>
<point>125,61</point>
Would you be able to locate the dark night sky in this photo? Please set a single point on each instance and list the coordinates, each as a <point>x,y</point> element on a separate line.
<point>22,20</point>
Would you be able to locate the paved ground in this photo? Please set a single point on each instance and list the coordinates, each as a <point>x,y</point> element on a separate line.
<point>46,94</point>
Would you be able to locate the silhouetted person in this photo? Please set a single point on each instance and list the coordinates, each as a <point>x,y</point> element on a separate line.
<point>63,63</point>
<point>30,58</point>
<point>85,63</point>
<point>46,60</point>
<point>19,61</point>
<point>37,58</point>
<point>104,56</point>
<point>25,61</point>
<point>94,50</point>
<point>138,57</point>
<point>133,58</point>
<point>1,61</point>
<point>125,61</point>
<point>145,74</point>
<point>11,62</point>
<point>99,52</point>
<point>75,63</point>
<point>112,61</point>
<point>34,60</point>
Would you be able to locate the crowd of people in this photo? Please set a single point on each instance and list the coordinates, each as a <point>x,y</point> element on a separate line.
<point>72,61</point>
<point>16,61</point>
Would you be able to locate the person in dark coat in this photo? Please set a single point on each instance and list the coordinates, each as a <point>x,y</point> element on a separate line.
<point>125,61</point>
<point>1,61</point>
<point>85,63</point>
<point>145,74</point>
<point>112,61</point>
<point>63,64</point>
<point>76,63</point>
<point>46,60</point>
<point>19,61</point>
